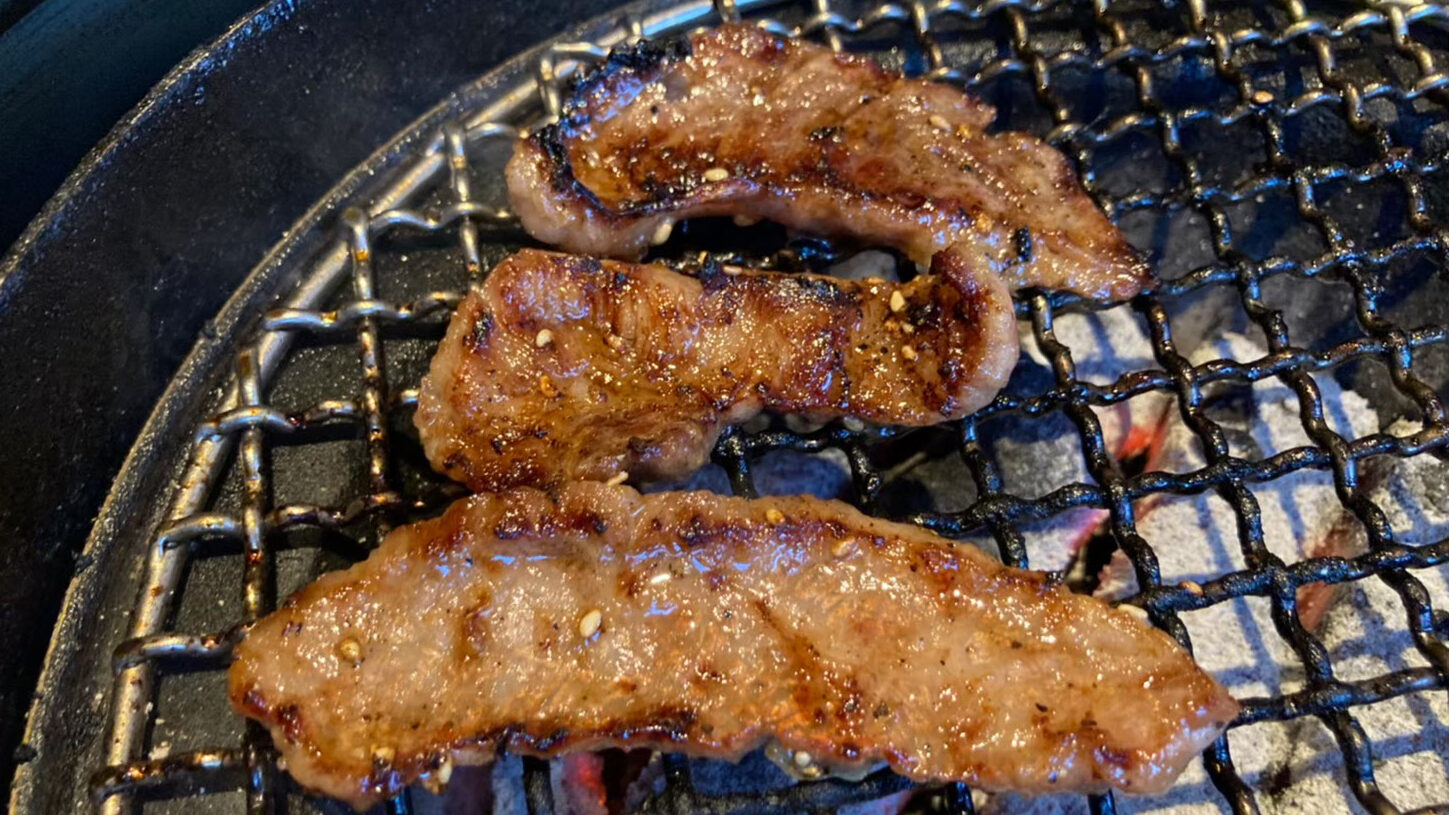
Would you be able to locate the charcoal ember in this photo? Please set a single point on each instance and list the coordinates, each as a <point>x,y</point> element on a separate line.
<point>1299,509</point>
<point>602,783</point>
<point>1038,455</point>
<point>1412,492</point>
<point>1196,539</point>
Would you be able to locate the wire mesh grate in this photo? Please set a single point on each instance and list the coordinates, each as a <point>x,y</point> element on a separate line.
<point>1156,78</point>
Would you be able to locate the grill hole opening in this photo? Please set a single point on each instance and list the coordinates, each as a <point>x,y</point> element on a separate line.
<point>825,474</point>
<point>1175,241</point>
<point>1018,108</point>
<point>921,473</point>
<point>1134,163</point>
<point>1321,136</point>
<point>1097,98</point>
<point>1188,83</point>
<point>1270,225</point>
<point>1227,172</point>
<point>1319,312</point>
<point>1372,214</point>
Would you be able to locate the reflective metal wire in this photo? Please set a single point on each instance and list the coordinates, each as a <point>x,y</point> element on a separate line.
<point>248,423</point>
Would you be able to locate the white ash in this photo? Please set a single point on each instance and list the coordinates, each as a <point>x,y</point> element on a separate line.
<point>825,474</point>
<point>1010,804</point>
<point>1412,492</point>
<point>1042,455</point>
<point>867,264</point>
<point>1410,734</point>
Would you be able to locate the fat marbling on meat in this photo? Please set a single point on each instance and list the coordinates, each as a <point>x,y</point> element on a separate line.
<point>737,121</point>
<point>593,617</point>
<point>561,367</point>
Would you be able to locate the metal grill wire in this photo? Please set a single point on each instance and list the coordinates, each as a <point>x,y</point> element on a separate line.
<point>248,422</point>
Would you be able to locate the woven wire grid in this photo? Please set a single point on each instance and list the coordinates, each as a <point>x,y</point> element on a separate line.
<point>441,202</point>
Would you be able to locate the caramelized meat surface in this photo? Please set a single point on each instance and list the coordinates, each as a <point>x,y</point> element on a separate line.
<point>691,622</point>
<point>563,367</point>
<point>737,121</point>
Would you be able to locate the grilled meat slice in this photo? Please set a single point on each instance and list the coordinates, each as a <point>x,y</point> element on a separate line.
<point>595,617</point>
<point>563,367</point>
<point>738,121</point>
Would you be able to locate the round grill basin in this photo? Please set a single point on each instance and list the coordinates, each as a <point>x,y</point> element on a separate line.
<point>1282,172</point>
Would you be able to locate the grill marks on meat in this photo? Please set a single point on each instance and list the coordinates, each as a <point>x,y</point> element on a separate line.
<point>737,121</point>
<point>596,617</point>
<point>562,367</point>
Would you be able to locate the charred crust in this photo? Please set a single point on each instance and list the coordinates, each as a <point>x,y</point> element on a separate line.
<point>548,140</point>
<point>639,57</point>
<point>668,723</point>
<point>253,703</point>
<point>478,337</point>
<point>695,532</point>
<point>631,583</point>
<point>1021,243</point>
<point>552,740</point>
<point>712,275</point>
<point>589,266</point>
<point>584,520</point>
<point>289,718</point>
<point>826,290</point>
<point>508,529</point>
<point>672,723</point>
<point>440,547</point>
<point>642,449</point>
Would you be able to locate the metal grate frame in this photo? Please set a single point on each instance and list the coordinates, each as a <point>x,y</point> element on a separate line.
<point>1189,34</point>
